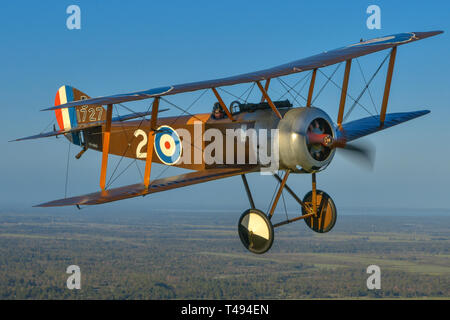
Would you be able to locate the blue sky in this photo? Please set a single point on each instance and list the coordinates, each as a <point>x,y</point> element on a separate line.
<point>127,46</point>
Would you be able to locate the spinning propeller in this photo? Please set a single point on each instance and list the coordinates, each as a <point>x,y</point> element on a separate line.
<point>321,143</point>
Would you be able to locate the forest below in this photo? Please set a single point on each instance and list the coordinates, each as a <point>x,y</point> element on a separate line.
<point>182,255</point>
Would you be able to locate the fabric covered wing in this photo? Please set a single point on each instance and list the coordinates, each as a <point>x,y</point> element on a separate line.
<point>365,126</point>
<point>139,189</point>
<point>317,61</point>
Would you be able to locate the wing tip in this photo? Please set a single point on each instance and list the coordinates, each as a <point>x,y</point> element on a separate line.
<point>422,112</point>
<point>57,203</point>
<point>426,34</point>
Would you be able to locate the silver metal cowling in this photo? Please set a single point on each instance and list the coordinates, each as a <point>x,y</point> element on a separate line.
<point>293,141</point>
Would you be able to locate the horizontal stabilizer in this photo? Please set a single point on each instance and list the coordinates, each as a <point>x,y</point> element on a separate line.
<point>136,190</point>
<point>320,60</point>
<point>59,132</point>
<point>363,127</point>
<point>88,125</point>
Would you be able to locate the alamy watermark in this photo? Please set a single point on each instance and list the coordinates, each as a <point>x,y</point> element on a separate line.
<point>74,280</point>
<point>74,19</point>
<point>374,20</point>
<point>239,146</point>
<point>374,280</point>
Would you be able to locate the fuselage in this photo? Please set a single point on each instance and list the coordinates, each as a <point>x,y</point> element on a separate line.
<point>200,141</point>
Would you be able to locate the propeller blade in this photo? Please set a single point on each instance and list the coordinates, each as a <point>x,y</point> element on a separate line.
<point>362,154</point>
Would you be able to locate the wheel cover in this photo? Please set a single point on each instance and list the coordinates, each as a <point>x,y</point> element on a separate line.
<point>327,214</point>
<point>255,231</point>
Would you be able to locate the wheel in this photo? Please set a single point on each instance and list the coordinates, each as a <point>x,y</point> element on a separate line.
<point>327,214</point>
<point>255,231</point>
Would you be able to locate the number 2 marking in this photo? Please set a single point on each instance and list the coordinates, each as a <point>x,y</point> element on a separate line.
<point>92,115</point>
<point>139,153</point>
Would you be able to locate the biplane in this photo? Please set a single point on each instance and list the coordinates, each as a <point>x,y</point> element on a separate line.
<point>304,136</point>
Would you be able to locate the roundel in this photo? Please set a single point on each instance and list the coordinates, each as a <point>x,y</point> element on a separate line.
<point>167,145</point>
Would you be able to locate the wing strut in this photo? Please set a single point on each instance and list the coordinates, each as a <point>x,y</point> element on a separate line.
<point>311,88</point>
<point>269,101</point>
<point>106,138</point>
<point>247,189</point>
<point>266,87</point>
<point>387,86</point>
<point>348,64</point>
<point>151,140</point>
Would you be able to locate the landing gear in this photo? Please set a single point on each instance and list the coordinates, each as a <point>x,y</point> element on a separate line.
<point>326,215</point>
<point>256,230</point>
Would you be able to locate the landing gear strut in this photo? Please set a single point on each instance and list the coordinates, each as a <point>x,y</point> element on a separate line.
<point>256,230</point>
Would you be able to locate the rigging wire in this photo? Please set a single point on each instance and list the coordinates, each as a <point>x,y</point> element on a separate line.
<point>185,111</point>
<point>274,193</point>
<point>297,83</point>
<point>129,109</point>
<point>180,108</point>
<point>365,88</point>
<point>284,204</point>
<point>67,171</point>
<point>110,181</point>
<point>135,161</point>
<point>253,86</point>
<point>297,92</point>
<point>250,87</point>
<point>128,146</point>
<point>284,84</point>
<point>126,135</point>
<point>45,129</point>
<point>347,94</point>
<point>273,196</point>
<point>190,106</point>
<point>231,94</point>
<point>325,84</point>
<point>368,89</point>
<point>306,82</point>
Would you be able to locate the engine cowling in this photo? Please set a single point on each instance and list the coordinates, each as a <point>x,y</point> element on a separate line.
<point>305,138</point>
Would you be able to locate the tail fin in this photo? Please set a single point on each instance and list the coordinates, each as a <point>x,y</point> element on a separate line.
<point>68,118</point>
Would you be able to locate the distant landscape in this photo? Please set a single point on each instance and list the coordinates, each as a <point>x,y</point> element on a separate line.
<point>198,255</point>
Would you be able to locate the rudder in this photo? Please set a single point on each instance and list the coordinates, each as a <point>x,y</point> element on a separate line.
<point>69,118</point>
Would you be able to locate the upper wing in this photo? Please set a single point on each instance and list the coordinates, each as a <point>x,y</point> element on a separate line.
<point>365,126</point>
<point>136,190</point>
<point>317,61</point>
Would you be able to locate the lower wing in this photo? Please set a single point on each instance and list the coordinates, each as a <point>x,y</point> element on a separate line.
<point>139,189</point>
<point>363,127</point>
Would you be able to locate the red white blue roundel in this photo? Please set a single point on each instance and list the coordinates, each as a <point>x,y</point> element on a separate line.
<point>167,145</point>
